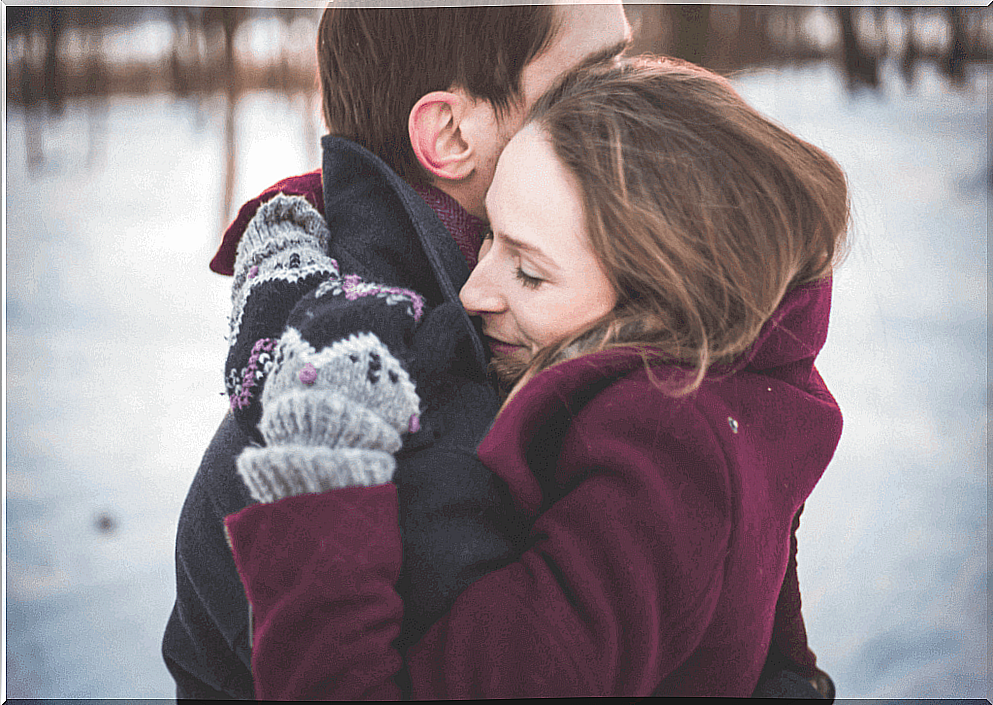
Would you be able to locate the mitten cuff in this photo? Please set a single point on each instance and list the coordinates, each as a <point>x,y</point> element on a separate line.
<point>278,472</point>
<point>320,417</point>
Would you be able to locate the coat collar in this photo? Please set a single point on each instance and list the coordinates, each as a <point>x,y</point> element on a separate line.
<point>382,230</point>
<point>372,213</point>
<point>538,417</point>
<point>792,337</point>
<point>796,331</point>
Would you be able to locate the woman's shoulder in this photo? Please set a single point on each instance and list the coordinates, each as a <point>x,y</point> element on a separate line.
<point>625,382</point>
<point>604,415</point>
<point>609,396</point>
<point>623,399</point>
<point>634,406</point>
<point>743,428</point>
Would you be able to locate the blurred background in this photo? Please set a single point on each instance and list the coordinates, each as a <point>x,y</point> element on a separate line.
<point>132,134</point>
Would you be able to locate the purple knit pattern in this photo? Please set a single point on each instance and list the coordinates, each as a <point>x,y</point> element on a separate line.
<point>351,285</point>
<point>354,287</point>
<point>466,229</point>
<point>252,373</point>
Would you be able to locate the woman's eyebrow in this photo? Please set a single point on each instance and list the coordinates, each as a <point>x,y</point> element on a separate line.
<point>532,250</point>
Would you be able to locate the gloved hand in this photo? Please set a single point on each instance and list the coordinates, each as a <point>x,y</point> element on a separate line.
<point>281,257</point>
<point>338,398</point>
<point>352,377</point>
<point>286,234</point>
<point>330,418</point>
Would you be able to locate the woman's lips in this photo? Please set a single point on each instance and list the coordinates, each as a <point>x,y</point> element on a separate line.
<point>498,346</point>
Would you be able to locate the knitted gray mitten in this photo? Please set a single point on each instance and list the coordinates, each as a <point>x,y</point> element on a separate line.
<point>282,256</point>
<point>330,419</point>
<point>287,240</point>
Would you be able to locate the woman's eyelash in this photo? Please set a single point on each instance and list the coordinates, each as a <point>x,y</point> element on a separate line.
<point>526,279</point>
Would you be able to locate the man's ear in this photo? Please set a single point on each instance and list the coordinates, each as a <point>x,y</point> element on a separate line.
<point>435,135</point>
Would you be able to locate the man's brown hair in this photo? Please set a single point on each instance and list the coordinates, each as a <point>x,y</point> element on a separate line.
<point>376,63</point>
<point>702,212</point>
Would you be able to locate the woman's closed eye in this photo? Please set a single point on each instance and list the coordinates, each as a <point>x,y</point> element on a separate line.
<point>529,281</point>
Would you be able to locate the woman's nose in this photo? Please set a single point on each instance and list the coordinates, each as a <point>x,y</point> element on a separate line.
<point>479,296</point>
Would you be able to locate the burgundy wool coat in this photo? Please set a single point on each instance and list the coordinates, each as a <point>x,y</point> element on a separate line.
<point>658,540</point>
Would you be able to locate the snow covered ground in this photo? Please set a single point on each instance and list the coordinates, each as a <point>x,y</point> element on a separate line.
<point>893,542</point>
<point>115,344</point>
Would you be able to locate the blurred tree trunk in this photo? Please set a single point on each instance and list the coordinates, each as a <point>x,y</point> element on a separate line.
<point>95,88</point>
<point>181,18</point>
<point>311,103</point>
<point>691,24</point>
<point>53,21</point>
<point>911,52</point>
<point>750,43</point>
<point>229,24</point>
<point>860,67</point>
<point>954,63</point>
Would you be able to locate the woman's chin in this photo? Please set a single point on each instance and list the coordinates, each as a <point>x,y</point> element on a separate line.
<point>509,363</point>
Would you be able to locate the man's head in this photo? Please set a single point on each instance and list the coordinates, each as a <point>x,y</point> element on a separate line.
<point>438,92</point>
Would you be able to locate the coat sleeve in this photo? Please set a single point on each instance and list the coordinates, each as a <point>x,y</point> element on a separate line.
<point>206,640</point>
<point>621,575</point>
<point>319,572</point>
<point>282,256</point>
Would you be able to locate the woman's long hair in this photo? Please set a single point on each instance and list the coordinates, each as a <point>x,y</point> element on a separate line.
<point>702,212</point>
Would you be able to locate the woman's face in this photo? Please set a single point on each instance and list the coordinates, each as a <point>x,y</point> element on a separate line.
<point>538,280</point>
